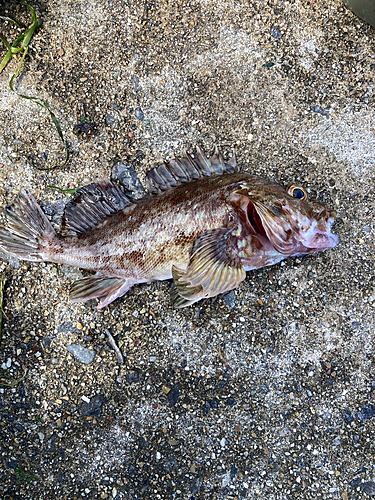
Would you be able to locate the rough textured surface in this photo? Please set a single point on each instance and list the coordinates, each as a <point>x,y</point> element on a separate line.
<point>265,393</point>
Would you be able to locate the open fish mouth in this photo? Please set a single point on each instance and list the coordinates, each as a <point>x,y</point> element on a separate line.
<point>255,221</point>
<point>289,237</point>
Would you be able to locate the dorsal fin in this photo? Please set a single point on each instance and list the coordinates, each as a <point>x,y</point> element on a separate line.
<point>185,169</point>
<point>92,204</point>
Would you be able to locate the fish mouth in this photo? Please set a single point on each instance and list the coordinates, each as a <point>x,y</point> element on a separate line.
<point>319,235</point>
<point>285,236</point>
<point>255,221</point>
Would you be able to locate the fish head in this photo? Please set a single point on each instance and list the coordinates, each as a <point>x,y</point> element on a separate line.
<point>286,218</point>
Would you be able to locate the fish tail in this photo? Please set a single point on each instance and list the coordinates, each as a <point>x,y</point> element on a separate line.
<point>27,233</point>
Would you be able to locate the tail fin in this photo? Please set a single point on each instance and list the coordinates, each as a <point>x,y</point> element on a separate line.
<point>27,230</point>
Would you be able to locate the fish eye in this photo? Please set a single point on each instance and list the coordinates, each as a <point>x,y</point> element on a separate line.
<point>297,192</point>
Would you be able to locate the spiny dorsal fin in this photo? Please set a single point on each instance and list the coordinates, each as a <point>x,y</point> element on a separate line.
<point>91,205</point>
<point>185,169</point>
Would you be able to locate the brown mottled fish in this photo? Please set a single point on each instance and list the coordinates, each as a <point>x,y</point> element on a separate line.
<point>204,223</point>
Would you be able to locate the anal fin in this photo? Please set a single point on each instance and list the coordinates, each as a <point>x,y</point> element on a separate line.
<point>98,286</point>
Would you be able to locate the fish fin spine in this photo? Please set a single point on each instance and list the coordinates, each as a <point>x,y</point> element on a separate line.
<point>188,168</point>
<point>27,233</point>
<point>93,204</point>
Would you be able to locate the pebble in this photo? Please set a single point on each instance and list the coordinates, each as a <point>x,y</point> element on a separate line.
<point>368,487</point>
<point>132,376</point>
<point>366,413</point>
<point>94,406</point>
<point>109,120</point>
<point>347,416</point>
<point>318,109</point>
<point>362,470</point>
<point>175,394</point>
<point>194,486</point>
<point>81,353</point>
<point>139,114</point>
<point>135,81</point>
<point>126,176</point>
<point>229,299</point>
<point>275,33</point>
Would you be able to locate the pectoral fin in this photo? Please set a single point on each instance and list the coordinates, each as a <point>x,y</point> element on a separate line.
<point>98,286</point>
<point>214,268</point>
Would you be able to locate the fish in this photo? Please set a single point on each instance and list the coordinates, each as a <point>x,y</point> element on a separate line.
<point>204,223</point>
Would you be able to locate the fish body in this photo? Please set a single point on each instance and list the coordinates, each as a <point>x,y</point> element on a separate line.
<point>204,224</point>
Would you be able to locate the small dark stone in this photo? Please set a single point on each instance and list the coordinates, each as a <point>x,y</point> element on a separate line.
<point>67,327</point>
<point>175,393</point>
<point>366,413</point>
<point>94,407</point>
<point>231,402</point>
<point>368,487</point>
<point>206,407</point>
<point>347,416</point>
<point>146,484</point>
<point>12,464</point>
<point>233,472</point>
<point>362,470</point>
<point>109,119</point>
<point>47,341</point>
<point>135,81</point>
<point>132,376</point>
<point>51,444</point>
<point>126,176</point>
<point>114,106</point>
<point>275,33</point>
<point>222,383</point>
<point>355,482</point>
<point>170,463</point>
<point>355,325</point>
<point>45,155</point>
<point>318,109</point>
<point>139,114</point>
<point>19,427</point>
<point>229,298</point>
<point>194,487</point>
<point>372,386</point>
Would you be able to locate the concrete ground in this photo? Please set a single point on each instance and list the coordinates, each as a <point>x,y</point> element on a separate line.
<point>266,393</point>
